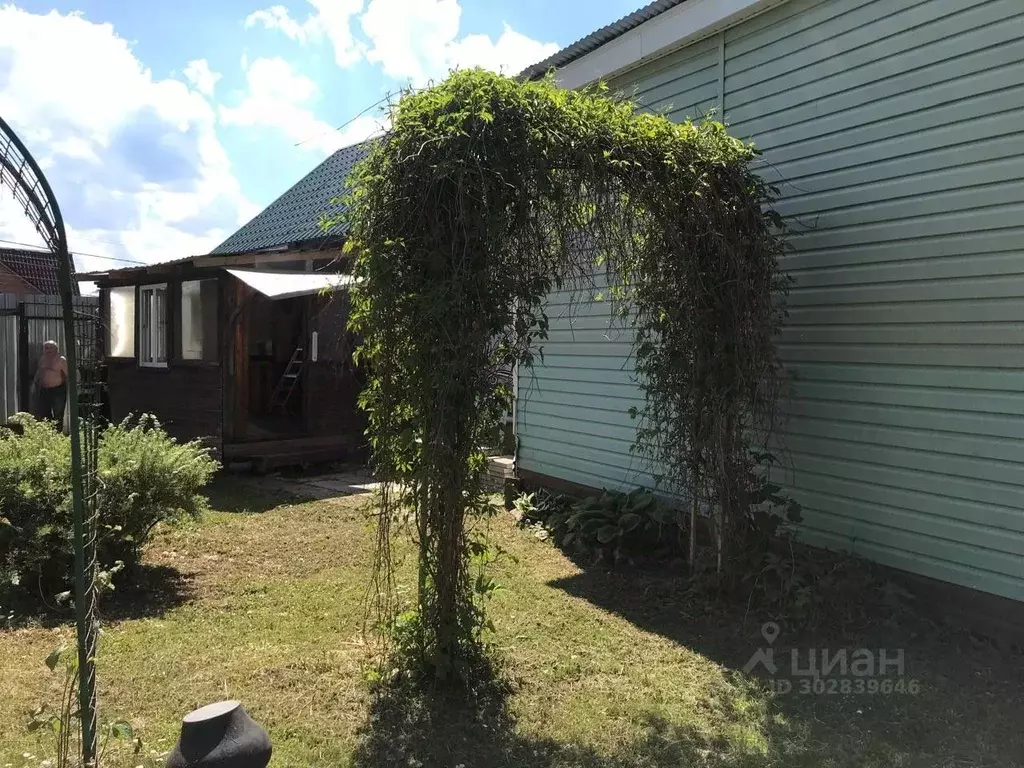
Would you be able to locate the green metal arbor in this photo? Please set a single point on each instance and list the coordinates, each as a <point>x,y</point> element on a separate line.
<point>22,175</point>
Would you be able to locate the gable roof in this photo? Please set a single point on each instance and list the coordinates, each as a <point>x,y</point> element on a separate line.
<point>37,268</point>
<point>294,217</point>
<point>595,40</point>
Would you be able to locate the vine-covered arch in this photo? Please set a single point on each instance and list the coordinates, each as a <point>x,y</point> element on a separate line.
<point>486,194</point>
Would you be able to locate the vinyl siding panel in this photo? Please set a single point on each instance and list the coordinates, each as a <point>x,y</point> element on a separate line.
<point>683,85</point>
<point>573,407</point>
<point>893,132</point>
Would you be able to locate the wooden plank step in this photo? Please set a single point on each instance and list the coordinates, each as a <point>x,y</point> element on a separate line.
<point>267,462</point>
<point>284,445</point>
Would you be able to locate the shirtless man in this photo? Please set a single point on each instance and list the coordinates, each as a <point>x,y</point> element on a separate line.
<point>52,380</point>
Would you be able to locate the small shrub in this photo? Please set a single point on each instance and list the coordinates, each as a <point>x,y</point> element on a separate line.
<point>771,573</point>
<point>610,527</point>
<point>145,477</point>
<point>534,509</point>
<point>35,499</point>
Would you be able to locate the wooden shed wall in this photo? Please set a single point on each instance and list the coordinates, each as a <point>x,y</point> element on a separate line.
<point>333,382</point>
<point>187,399</point>
<point>187,396</point>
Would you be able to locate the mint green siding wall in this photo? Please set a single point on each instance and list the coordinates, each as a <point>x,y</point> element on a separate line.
<point>685,86</point>
<point>895,130</point>
<point>573,410</point>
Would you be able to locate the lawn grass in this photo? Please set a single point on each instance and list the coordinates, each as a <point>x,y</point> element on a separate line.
<point>262,601</point>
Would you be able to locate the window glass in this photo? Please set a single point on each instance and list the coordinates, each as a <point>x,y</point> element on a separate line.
<point>153,325</point>
<point>121,341</point>
<point>199,320</point>
<point>191,320</point>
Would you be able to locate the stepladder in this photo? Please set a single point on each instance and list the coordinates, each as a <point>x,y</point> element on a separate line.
<point>288,382</point>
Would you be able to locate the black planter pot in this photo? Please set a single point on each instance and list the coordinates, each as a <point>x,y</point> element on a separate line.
<point>220,735</point>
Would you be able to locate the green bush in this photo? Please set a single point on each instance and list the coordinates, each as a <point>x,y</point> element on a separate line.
<point>145,477</point>
<point>612,526</point>
<point>35,501</point>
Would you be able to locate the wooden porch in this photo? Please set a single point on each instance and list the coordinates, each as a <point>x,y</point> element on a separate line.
<point>265,455</point>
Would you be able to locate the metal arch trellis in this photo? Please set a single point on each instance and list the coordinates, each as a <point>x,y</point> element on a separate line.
<point>20,173</point>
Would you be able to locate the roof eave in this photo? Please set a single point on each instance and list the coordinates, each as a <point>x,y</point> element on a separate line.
<point>299,246</point>
<point>302,250</point>
<point>661,27</point>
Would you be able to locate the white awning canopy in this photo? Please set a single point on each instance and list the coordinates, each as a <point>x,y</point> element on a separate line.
<point>287,285</point>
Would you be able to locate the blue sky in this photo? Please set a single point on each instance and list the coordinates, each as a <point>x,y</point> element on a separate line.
<point>164,126</point>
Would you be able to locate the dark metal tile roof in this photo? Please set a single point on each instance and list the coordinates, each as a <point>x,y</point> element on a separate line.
<point>595,40</point>
<point>294,218</point>
<point>37,268</point>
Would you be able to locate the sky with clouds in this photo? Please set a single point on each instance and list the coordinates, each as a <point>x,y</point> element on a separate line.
<point>163,126</point>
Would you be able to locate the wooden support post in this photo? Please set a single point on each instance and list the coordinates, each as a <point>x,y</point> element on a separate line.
<point>239,336</point>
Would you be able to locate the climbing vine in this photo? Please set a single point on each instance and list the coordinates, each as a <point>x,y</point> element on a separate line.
<point>486,194</point>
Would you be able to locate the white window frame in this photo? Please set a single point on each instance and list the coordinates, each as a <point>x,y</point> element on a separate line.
<point>154,329</point>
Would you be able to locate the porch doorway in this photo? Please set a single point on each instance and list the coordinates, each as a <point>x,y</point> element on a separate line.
<point>278,363</point>
<point>291,388</point>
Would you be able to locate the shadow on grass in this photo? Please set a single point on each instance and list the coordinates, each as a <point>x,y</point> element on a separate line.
<point>965,713</point>
<point>246,495</point>
<point>149,592</point>
<point>412,728</point>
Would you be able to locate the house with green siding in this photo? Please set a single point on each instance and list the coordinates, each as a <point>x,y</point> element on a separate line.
<point>895,132</point>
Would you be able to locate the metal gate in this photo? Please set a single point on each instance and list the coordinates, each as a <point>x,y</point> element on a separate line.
<point>9,386</point>
<point>26,322</point>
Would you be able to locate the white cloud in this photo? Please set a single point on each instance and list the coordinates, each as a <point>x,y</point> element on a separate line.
<point>204,79</point>
<point>135,161</point>
<point>278,97</point>
<point>409,38</point>
<point>277,17</point>
<point>275,79</point>
<point>330,19</point>
<point>414,40</point>
<point>418,40</point>
<point>335,18</point>
<point>15,226</point>
<point>510,54</point>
